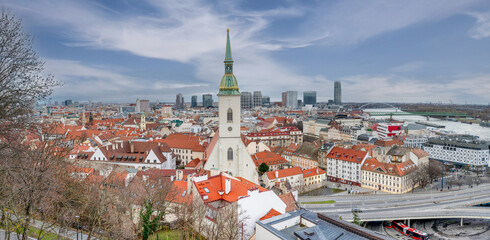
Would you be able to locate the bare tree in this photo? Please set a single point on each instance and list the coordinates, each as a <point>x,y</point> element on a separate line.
<point>34,178</point>
<point>21,80</point>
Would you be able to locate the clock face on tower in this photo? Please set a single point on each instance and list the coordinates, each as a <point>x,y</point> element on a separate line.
<point>230,128</point>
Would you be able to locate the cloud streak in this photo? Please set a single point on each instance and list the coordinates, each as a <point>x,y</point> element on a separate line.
<point>193,32</point>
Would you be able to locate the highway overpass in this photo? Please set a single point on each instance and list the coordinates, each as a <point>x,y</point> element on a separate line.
<point>383,207</point>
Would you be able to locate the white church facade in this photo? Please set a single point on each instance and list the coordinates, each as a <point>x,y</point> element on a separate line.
<point>230,154</point>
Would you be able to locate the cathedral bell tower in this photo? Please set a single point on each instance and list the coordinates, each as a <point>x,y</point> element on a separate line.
<point>229,98</point>
<point>229,154</point>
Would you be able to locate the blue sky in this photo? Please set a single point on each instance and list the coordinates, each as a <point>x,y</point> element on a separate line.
<point>381,51</point>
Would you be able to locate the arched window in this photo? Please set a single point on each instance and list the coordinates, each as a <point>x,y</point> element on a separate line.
<point>229,115</point>
<point>230,154</point>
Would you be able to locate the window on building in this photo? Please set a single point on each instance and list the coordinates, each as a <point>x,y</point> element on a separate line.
<point>229,115</point>
<point>230,154</point>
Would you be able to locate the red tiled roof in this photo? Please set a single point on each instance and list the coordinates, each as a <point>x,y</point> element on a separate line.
<point>213,189</point>
<point>269,158</point>
<point>178,193</point>
<point>271,213</point>
<point>155,174</point>
<point>420,153</point>
<point>288,199</point>
<point>284,173</point>
<point>193,163</point>
<point>394,169</point>
<point>347,154</point>
<point>312,172</point>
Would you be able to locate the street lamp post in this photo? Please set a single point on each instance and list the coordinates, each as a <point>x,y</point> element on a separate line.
<point>77,224</point>
<point>442,177</point>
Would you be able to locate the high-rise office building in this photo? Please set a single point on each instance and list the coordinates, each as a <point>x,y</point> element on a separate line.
<point>246,100</point>
<point>179,101</point>
<point>337,94</point>
<point>292,99</point>
<point>142,105</point>
<point>309,97</point>
<point>194,101</point>
<point>284,98</point>
<point>257,99</point>
<point>266,101</point>
<point>207,100</point>
<point>68,102</point>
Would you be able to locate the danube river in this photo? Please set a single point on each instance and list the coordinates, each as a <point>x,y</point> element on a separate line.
<point>457,127</point>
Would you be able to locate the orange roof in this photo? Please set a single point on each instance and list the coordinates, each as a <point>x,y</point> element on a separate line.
<point>312,172</point>
<point>345,154</point>
<point>183,136</point>
<point>193,163</point>
<point>182,144</point>
<point>213,189</point>
<point>269,158</point>
<point>387,143</point>
<point>284,173</point>
<point>366,146</point>
<point>271,213</point>
<point>420,153</point>
<point>394,169</point>
<point>178,193</point>
<point>288,199</point>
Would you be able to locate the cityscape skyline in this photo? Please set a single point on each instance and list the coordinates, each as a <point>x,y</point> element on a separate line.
<point>150,50</point>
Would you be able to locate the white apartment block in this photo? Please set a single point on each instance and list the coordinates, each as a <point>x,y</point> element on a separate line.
<point>463,150</point>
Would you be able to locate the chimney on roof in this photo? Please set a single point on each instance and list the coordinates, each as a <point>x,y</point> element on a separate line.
<point>316,170</point>
<point>277,174</point>
<point>131,144</point>
<point>227,185</point>
<point>179,174</point>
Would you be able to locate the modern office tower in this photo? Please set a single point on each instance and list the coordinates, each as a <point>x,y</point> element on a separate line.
<point>337,94</point>
<point>309,97</point>
<point>284,99</point>
<point>142,105</point>
<point>292,99</point>
<point>68,102</point>
<point>207,100</point>
<point>266,101</point>
<point>194,101</point>
<point>246,100</point>
<point>179,101</point>
<point>300,103</point>
<point>257,96</point>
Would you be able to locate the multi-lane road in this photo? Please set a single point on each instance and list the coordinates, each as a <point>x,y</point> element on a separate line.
<point>378,207</point>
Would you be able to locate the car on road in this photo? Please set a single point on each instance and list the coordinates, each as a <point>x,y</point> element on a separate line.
<point>356,210</point>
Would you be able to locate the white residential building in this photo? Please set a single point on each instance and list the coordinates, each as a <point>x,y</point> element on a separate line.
<point>462,149</point>
<point>344,165</point>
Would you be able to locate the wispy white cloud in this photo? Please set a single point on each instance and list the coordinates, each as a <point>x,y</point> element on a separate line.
<point>193,32</point>
<point>108,83</point>
<point>481,29</point>
<point>409,67</point>
<point>350,22</point>
<point>394,88</point>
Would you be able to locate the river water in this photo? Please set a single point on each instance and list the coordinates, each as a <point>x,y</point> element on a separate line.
<point>457,127</point>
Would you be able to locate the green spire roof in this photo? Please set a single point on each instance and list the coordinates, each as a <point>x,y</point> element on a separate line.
<point>228,46</point>
<point>229,84</point>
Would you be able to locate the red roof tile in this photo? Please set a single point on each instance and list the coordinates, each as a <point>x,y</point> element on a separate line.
<point>271,213</point>
<point>284,173</point>
<point>347,154</point>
